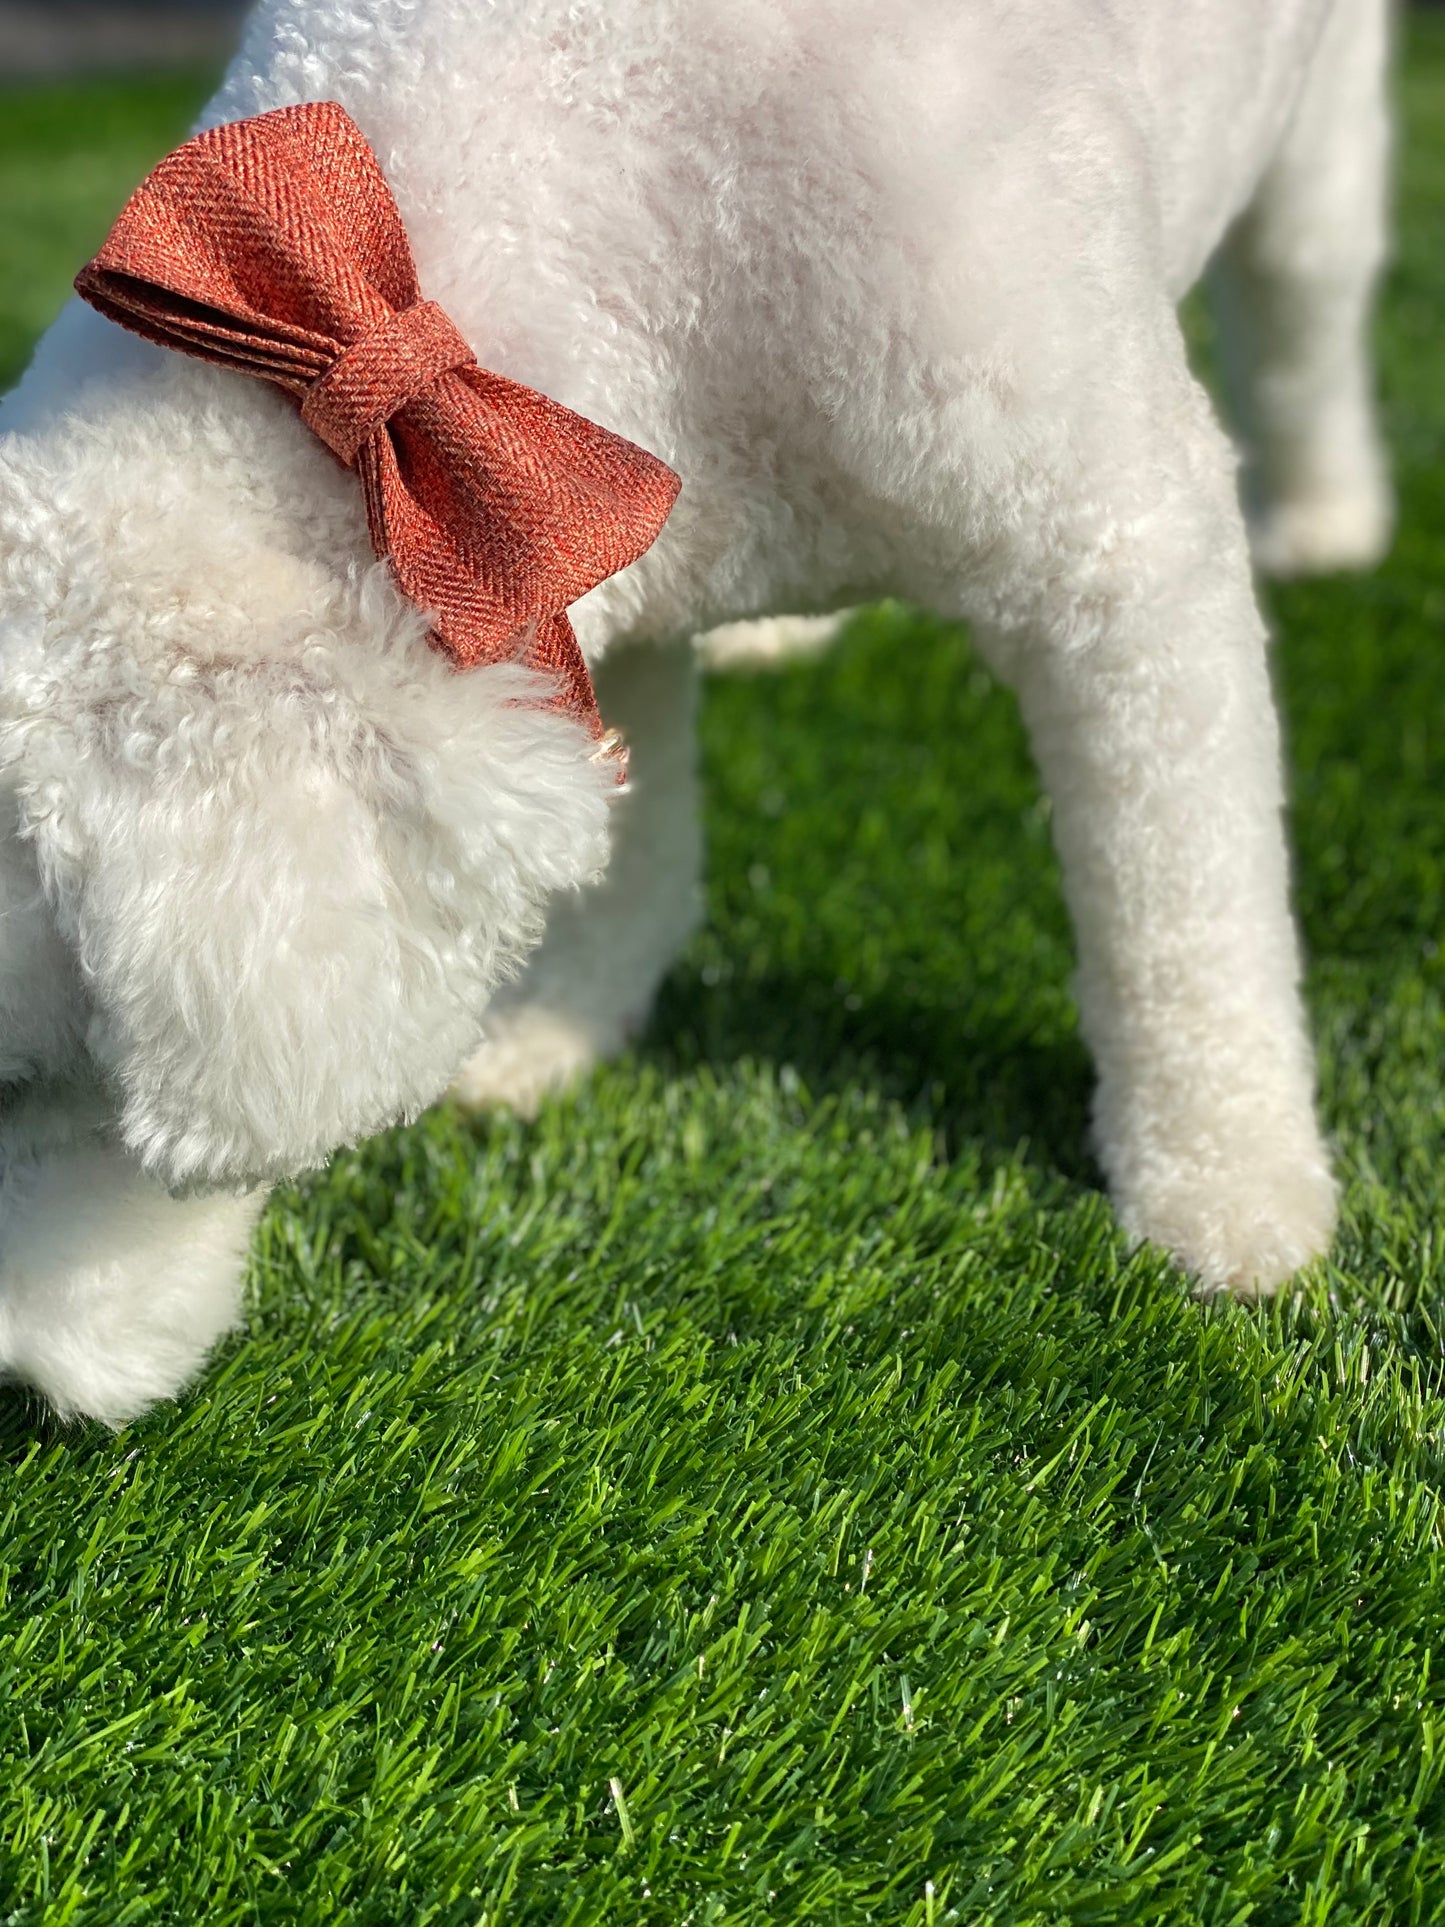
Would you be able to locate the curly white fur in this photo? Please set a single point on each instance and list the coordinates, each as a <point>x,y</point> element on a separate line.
<point>893,289</point>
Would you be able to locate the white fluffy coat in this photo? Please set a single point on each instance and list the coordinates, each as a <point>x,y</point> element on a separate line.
<point>893,290</point>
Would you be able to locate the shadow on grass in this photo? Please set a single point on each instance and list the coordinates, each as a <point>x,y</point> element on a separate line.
<point>25,1421</point>
<point>992,1091</point>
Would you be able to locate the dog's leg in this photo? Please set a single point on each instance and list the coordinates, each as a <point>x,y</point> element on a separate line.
<point>112,1292</point>
<point>1140,666</point>
<point>590,986</point>
<point>1293,289</point>
<point>768,642</point>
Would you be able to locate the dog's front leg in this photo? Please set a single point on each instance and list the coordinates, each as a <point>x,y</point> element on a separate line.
<point>588,990</point>
<point>112,1291</point>
<point>1143,678</point>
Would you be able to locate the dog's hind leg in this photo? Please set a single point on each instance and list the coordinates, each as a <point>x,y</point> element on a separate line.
<point>590,986</point>
<point>1138,654</point>
<point>1293,287</point>
<point>769,642</point>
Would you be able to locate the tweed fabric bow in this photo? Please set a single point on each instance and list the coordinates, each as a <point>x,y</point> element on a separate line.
<point>273,246</point>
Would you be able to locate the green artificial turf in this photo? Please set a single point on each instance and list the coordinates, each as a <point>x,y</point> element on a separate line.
<point>766,1488</point>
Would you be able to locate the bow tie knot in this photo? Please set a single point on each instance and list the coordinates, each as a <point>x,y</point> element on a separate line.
<point>393,364</point>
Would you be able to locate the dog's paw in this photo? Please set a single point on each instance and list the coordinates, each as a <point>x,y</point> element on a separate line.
<point>1323,531</point>
<point>112,1292</point>
<point>1241,1227</point>
<point>529,1053</point>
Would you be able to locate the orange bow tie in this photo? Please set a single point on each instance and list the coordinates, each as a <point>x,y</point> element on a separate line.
<point>273,246</point>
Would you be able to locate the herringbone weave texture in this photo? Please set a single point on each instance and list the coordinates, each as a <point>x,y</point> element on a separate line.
<point>273,246</point>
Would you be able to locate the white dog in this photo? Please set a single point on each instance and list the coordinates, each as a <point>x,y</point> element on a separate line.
<point>893,289</point>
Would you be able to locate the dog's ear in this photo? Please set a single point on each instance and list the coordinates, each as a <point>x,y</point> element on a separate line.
<point>288,847</point>
<point>289,904</point>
